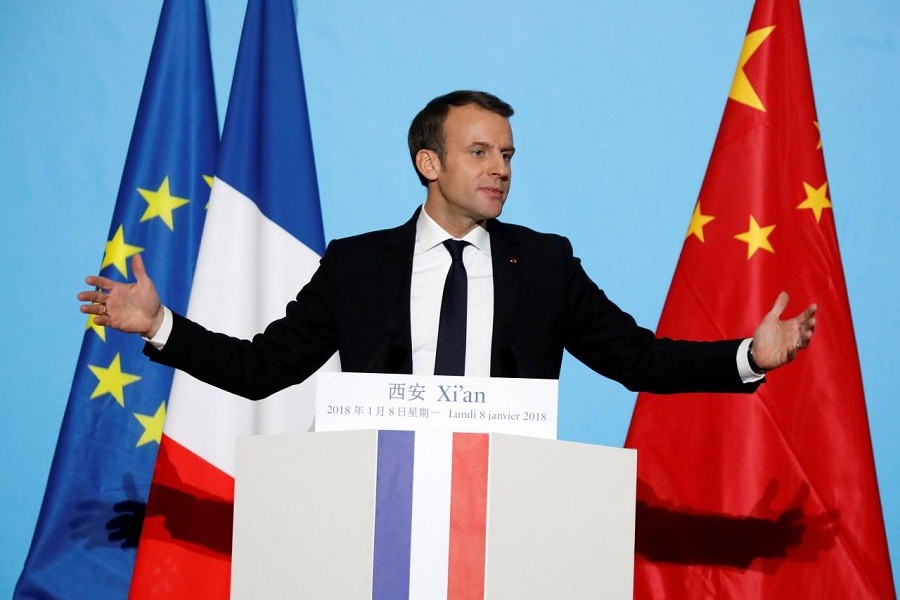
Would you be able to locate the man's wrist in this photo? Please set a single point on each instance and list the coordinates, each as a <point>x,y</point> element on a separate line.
<point>161,335</point>
<point>754,366</point>
<point>157,323</point>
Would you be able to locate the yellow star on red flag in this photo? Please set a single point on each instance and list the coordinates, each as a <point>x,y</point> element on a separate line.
<point>816,199</point>
<point>756,238</point>
<point>741,89</point>
<point>698,220</point>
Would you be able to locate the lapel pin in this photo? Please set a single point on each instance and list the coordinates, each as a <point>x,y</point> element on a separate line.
<point>513,260</point>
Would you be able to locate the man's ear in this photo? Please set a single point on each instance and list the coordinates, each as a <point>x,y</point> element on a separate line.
<point>428,163</point>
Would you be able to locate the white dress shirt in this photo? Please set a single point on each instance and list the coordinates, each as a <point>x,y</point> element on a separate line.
<point>431,262</point>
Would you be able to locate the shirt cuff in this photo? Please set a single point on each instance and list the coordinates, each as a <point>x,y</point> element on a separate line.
<point>748,375</point>
<point>165,330</point>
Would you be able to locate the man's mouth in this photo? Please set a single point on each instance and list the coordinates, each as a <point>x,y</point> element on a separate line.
<point>493,192</point>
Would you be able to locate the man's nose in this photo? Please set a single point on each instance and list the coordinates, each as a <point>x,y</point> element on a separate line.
<point>500,167</point>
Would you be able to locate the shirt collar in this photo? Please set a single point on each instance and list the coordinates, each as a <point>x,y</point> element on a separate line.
<point>429,234</point>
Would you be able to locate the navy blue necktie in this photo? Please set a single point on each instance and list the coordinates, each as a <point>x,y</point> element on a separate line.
<point>450,358</point>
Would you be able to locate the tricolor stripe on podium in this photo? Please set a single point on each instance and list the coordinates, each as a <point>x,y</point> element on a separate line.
<point>430,515</point>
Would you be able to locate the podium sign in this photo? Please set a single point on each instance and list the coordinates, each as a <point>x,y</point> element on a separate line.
<point>351,401</point>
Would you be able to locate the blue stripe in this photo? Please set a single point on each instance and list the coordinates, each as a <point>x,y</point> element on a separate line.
<point>266,149</point>
<point>393,515</point>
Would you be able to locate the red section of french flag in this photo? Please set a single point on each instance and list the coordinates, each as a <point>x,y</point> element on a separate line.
<point>187,529</point>
<point>468,516</point>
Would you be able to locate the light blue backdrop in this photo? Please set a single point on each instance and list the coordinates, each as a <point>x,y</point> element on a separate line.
<point>617,103</point>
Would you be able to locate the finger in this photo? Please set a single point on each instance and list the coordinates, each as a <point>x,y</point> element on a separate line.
<point>809,313</point>
<point>800,497</point>
<point>810,325</point>
<point>807,336</point>
<point>94,309</point>
<point>781,303</point>
<point>793,351</point>
<point>804,336</point>
<point>92,296</point>
<point>101,282</point>
<point>137,265</point>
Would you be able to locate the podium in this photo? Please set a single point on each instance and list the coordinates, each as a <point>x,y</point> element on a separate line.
<point>431,514</point>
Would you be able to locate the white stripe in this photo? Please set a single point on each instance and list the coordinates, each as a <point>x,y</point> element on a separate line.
<point>248,269</point>
<point>430,535</point>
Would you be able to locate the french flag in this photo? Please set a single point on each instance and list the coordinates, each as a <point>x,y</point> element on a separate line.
<point>431,496</point>
<point>261,243</point>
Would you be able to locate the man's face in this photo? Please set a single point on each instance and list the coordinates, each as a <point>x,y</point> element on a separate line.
<point>472,181</point>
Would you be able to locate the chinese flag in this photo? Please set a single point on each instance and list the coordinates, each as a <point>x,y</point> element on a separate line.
<point>770,495</point>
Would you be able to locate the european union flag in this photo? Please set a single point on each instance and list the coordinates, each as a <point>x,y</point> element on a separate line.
<point>92,513</point>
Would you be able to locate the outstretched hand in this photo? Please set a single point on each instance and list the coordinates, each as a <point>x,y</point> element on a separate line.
<point>128,307</point>
<point>778,342</point>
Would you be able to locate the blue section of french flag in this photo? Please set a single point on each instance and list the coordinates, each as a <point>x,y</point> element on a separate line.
<point>393,514</point>
<point>267,152</point>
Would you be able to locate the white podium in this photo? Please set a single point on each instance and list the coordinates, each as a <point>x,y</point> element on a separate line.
<point>389,514</point>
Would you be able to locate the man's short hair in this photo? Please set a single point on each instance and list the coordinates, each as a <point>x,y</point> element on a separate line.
<point>427,129</point>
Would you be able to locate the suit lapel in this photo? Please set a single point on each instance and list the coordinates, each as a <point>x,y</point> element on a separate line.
<point>504,261</point>
<point>396,275</point>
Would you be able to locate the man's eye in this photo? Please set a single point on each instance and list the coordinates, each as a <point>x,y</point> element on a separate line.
<point>507,156</point>
<point>477,152</point>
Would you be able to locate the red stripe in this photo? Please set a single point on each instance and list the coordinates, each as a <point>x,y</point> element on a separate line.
<point>468,516</point>
<point>185,547</point>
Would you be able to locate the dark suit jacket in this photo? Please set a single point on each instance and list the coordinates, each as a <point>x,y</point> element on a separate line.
<point>357,303</point>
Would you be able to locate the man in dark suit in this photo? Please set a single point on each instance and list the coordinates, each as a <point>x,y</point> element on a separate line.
<point>376,298</point>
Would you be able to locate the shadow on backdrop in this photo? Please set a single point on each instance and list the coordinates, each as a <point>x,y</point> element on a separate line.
<point>105,523</point>
<point>186,516</point>
<point>665,533</point>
